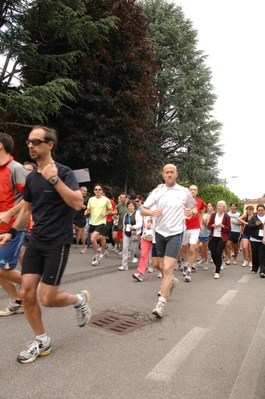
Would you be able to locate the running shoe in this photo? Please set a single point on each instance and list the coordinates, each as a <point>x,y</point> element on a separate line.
<point>159,309</point>
<point>173,285</point>
<point>159,274</point>
<point>185,269</point>
<point>83,311</point>
<point>95,260</point>
<point>35,349</point>
<point>187,276</point>
<point>138,277</point>
<point>12,308</point>
<point>245,263</point>
<point>123,268</point>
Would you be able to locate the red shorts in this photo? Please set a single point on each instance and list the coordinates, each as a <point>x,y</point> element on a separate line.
<point>120,234</point>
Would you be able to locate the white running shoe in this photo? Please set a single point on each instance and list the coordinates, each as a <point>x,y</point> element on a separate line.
<point>95,260</point>
<point>159,309</point>
<point>244,263</point>
<point>123,268</point>
<point>159,274</point>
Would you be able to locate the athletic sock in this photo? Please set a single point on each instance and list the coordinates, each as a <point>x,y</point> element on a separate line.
<point>162,299</point>
<point>79,301</point>
<point>43,338</point>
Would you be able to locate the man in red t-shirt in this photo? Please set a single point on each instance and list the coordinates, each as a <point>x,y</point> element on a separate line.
<point>12,181</point>
<point>191,235</point>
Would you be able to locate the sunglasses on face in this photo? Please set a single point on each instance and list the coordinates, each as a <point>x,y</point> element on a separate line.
<point>36,141</point>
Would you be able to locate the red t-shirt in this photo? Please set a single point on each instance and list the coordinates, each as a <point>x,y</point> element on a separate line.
<point>113,205</point>
<point>194,222</point>
<point>12,182</point>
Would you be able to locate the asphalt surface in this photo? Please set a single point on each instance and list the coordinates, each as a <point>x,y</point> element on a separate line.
<point>209,344</point>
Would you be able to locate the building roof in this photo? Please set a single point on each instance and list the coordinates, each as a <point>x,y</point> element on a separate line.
<point>260,200</point>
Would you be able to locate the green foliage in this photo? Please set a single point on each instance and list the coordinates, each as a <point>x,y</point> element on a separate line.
<point>122,83</point>
<point>37,102</point>
<point>110,128</point>
<point>42,39</point>
<point>215,193</point>
<point>184,94</point>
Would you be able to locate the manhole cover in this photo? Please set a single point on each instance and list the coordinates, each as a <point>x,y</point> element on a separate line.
<point>115,323</point>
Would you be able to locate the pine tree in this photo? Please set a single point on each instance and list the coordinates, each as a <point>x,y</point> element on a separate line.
<point>184,94</point>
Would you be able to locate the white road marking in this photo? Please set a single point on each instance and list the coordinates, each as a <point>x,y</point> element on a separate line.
<point>248,376</point>
<point>169,365</point>
<point>227,298</point>
<point>245,278</point>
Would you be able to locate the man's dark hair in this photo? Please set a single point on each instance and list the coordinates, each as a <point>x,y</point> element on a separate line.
<point>108,192</point>
<point>233,203</point>
<point>7,142</point>
<point>50,134</point>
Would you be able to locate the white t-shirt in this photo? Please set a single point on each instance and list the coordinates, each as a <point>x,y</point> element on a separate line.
<point>233,217</point>
<point>217,230</point>
<point>171,200</point>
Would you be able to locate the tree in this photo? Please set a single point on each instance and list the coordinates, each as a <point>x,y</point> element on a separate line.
<point>215,193</point>
<point>110,126</point>
<point>36,98</point>
<point>184,94</point>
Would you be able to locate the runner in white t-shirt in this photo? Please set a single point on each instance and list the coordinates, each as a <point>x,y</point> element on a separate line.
<point>173,203</point>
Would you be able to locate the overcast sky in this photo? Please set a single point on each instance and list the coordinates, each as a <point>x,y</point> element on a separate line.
<point>231,33</point>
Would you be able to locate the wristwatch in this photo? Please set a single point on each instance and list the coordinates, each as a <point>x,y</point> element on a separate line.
<point>53,180</point>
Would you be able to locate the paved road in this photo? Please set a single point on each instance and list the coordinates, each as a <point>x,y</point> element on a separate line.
<point>209,345</point>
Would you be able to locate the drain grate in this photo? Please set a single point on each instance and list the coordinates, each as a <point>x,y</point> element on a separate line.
<point>115,323</point>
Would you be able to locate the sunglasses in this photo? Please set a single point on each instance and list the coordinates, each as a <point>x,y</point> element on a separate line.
<point>36,141</point>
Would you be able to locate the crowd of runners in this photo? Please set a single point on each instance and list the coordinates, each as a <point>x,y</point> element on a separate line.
<point>172,229</point>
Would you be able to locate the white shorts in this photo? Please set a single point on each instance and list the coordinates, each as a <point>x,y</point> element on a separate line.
<point>190,236</point>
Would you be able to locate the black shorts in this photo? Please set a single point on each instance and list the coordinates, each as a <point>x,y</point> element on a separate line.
<point>80,222</point>
<point>168,246</point>
<point>109,229</point>
<point>154,251</point>
<point>234,237</point>
<point>47,260</point>
<point>101,229</point>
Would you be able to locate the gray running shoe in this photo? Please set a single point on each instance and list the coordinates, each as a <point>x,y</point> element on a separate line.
<point>83,311</point>
<point>159,309</point>
<point>12,308</point>
<point>188,276</point>
<point>185,268</point>
<point>174,284</point>
<point>35,349</point>
<point>138,276</point>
